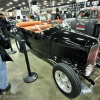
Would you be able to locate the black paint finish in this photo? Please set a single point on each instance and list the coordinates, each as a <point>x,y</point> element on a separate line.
<point>61,44</point>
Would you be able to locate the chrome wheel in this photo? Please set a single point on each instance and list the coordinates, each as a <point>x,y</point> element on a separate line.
<point>63,81</point>
<point>66,80</point>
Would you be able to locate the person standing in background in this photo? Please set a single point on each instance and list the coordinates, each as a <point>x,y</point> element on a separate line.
<point>4,85</point>
<point>69,14</point>
<point>3,24</point>
<point>61,15</point>
<point>57,16</point>
<point>48,15</point>
<point>4,28</point>
<point>24,19</point>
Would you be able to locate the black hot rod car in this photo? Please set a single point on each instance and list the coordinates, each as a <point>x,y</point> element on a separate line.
<point>71,52</point>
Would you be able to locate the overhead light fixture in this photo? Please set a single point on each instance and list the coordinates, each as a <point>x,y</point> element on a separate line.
<point>45,1</point>
<point>19,5</point>
<point>1,8</point>
<point>61,2</point>
<point>10,3</point>
<point>15,0</point>
<point>23,3</point>
<point>58,3</point>
<point>7,4</point>
<point>21,8</point>
<point>53,1</point>
<point>80,1</point>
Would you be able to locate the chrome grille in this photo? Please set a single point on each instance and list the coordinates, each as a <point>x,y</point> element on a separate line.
<point>93,54</point>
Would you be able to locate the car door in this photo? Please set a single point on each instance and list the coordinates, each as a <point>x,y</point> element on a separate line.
<point>46,41</point>
<point>58,47</point>
<point>83,21</point>
<point>86,21</point>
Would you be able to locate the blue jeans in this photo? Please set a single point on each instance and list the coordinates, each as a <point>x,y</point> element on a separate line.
<point>3,74</point>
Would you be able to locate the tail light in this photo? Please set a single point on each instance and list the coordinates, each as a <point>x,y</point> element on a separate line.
<point>93,54</point>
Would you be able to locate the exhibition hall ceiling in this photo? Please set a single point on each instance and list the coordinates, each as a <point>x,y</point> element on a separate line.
<point>12,4</point>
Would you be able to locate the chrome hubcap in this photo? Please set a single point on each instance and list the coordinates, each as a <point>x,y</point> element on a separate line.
<point>63,81</point>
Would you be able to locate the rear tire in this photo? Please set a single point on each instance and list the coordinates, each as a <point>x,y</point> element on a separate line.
<point>67,80</point>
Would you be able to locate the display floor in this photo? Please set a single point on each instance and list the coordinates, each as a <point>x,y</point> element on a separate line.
<point>44,88</point>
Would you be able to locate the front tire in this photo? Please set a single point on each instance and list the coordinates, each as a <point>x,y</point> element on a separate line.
<point>67,80</point>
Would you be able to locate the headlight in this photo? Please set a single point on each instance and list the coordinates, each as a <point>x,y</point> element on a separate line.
<point>89,69</point>
<point>93,54</point>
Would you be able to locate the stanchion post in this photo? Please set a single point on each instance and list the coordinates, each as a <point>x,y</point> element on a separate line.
<point>26,57</point>
<point>31,76</point>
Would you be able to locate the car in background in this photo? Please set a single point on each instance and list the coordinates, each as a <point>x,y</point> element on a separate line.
<point>87,21</point>
<point>71,52</point>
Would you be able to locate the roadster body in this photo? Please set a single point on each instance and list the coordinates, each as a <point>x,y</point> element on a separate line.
<point>71,52</point>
